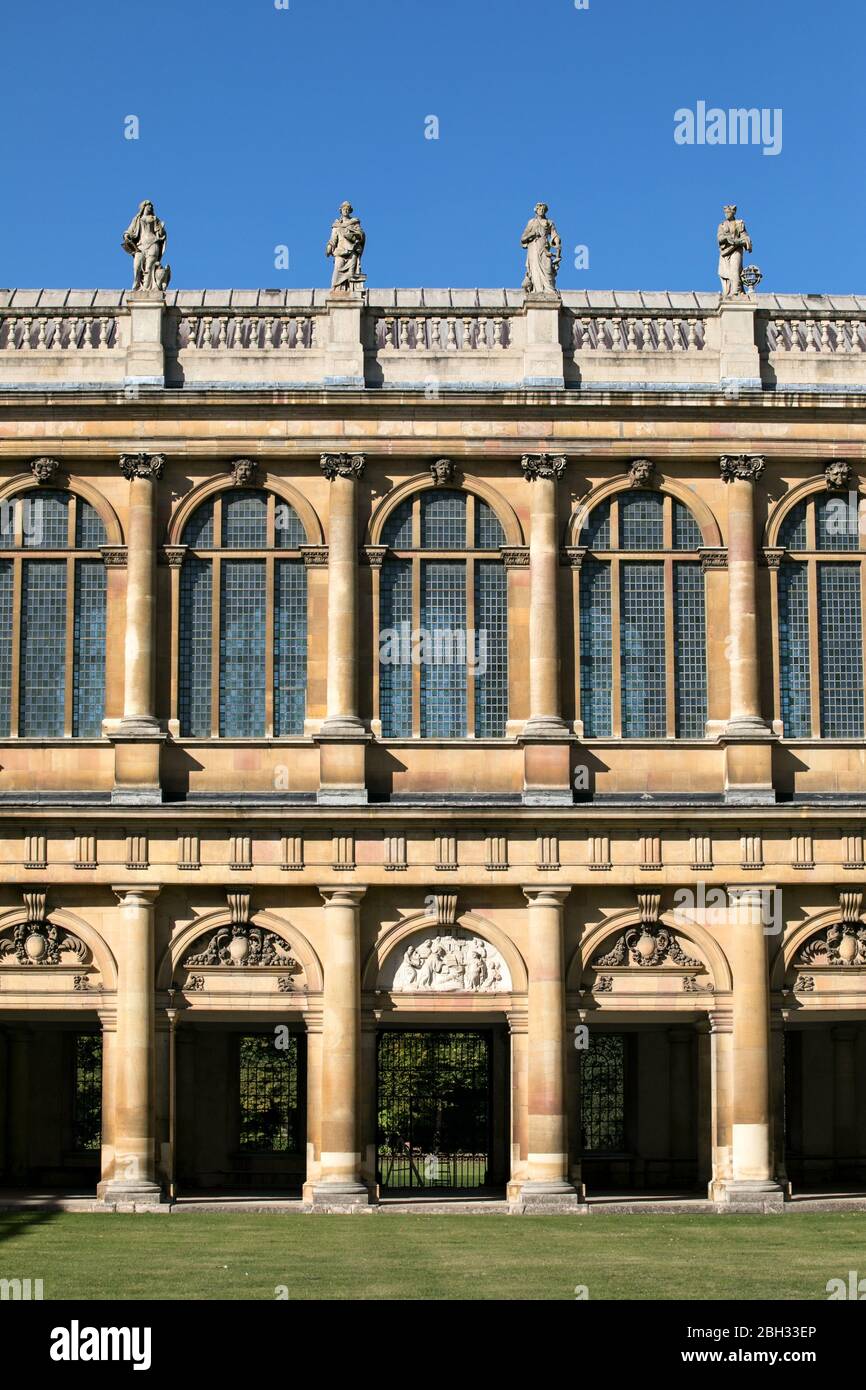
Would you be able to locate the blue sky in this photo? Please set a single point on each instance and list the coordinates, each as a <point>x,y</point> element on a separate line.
<point>255,123</point>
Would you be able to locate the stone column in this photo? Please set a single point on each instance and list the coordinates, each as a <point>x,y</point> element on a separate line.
<point>721,1049</point>
<point>545,735</point>
<point>519,1119</point>
<point>749,776</point>
<point>340,1184</point>
<point>753,1184</point>
<point>343,737</point>
<point>548,1183</point>
<point>137,739</point>
<point>133,1179</point>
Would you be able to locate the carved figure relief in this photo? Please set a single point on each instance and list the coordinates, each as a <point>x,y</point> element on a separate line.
<point>450,964</point>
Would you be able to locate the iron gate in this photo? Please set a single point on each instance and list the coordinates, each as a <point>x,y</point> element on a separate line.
<point>434,1114</point>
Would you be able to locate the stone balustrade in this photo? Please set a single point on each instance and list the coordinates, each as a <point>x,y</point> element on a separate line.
<point>412,339</point>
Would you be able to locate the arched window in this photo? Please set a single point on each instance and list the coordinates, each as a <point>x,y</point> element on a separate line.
<point>443,638</point>
<point>820,606</point>
<point>243,619</point>
<point>642,620</point>
<point>52,616</point>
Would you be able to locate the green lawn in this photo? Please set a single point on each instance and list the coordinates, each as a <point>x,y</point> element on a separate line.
<point>235,1256</point>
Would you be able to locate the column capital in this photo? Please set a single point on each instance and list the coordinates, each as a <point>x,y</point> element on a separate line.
<point>142,465</point>
<point>545,897</point>
<point>745,467</point>
<point>342,465</point>
<point>546,466</point>
<point>136,895</point>
<point>342,897</point>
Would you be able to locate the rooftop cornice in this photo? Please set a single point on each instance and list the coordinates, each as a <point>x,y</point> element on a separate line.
<point>448,297</point>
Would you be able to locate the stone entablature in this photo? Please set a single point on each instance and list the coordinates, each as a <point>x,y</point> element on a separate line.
<point>417,339</point>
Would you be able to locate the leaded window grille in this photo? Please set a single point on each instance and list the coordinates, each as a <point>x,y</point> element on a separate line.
<point>242,619</point>
<point>53,616</point>
<point>690,646</point>
<point>642,620</point>
<point>269,1093</point>
<point>818,602</point>
<point>603,1093</point>
<point>596,666</point>
<point>442,611</point>
<point>443,672</point>
<point>642,649</point>
<point>795,679</point>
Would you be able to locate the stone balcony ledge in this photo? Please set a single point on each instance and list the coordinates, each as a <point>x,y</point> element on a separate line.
<point>430,339</point>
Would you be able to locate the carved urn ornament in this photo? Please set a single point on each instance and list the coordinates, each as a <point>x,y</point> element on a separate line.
<point>242,943</point>
<point>843,943</point>
<point>650,943</point>
<point>36,941</point>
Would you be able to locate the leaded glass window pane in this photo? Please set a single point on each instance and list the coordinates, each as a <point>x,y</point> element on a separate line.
<point>45,520</point>
<point>595,532</point>
<point>288,530</point>
<point>43,649</point>
<point>397,531</point>
<point>89,528</point>
<point>199,530</point>
<point>795,690</point>
<point>5,646</point>
<point>88,671</point>
<point>836,524</point>
<point>242,649</point>
<point>840,651</point>
<point>491,649</point>
<point>443,673</point>
<point>489,534</point>
<point>269,1094</point>
<point>196,587</point>
<point>603,1094</point>
<point>641,521</point>
<point>395,646</point>
<point>290,647</point>
<point>792,532</point>
<point>596,669</point>
<point>443,520</point>
<point>690,666</point>
<point>686,531</point>
<point>245,515</point>
<point>642,650</point>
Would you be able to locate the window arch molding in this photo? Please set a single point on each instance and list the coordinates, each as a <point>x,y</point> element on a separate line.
<point>815,550</point>
<point>684,926</point>
<point>389,943</point>
<point>270,921</point>
<point>801,492</point>
<point>711,533</point>
<point>421,482</point>
<point>25,482</point>
<point>265,482</point>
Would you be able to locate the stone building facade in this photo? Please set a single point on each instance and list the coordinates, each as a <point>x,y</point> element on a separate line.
<point>432,744</point>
